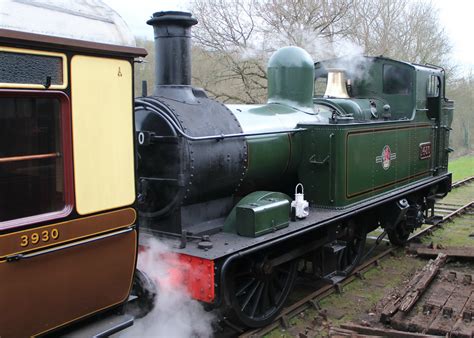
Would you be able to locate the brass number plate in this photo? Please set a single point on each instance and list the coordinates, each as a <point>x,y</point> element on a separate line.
<point>40,236</point>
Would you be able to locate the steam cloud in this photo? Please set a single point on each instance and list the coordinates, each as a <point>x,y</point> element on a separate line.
<point>175,313</point>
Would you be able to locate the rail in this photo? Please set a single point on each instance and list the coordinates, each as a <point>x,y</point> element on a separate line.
<point>462,182</point>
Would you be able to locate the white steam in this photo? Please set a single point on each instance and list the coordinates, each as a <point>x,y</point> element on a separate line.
<point>350,56</point>
<point>175,313</point>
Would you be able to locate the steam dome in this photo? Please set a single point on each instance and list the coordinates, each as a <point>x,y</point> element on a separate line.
<point>290,73</point>
<point>90,20</point>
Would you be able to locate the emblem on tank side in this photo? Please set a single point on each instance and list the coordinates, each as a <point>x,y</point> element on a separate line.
<point>386,157</point>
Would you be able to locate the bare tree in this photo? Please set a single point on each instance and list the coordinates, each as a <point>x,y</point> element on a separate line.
<point>401,29</point>
<point>240,35</point>
<point>461,91</point>
<point>301,22</point>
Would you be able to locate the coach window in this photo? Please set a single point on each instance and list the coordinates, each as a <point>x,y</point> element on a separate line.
<point>32,173</point>
<point>396,80</point>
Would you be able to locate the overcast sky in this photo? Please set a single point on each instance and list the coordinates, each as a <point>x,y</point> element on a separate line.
<point>456,16</point>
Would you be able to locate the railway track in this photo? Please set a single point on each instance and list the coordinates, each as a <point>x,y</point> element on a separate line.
<point>446,210</point>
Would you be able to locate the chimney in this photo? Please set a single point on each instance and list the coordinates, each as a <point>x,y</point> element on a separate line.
<point>172,47</point>
<point>336,86</point>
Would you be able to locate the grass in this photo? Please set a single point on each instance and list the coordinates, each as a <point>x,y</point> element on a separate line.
<point>462,167</point>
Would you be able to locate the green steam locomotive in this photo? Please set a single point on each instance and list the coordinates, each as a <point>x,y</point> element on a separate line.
<point>247,192</point>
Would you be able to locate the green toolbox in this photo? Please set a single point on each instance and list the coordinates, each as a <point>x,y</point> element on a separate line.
<point>263,216</point>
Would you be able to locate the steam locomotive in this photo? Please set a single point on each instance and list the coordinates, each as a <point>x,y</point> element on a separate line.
<point>371,151</point>
<point>244,193</point>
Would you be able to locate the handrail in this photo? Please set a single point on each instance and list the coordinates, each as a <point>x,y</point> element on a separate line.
<point>28,157</point>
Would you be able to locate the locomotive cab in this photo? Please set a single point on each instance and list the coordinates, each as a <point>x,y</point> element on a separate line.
<point>383,89</point>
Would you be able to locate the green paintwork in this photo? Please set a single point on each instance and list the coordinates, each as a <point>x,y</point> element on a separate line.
<point>230,224</point>
<point>341,161</point>
<point>272,157</point>
<point>343,164</point>
<point>268,157</point>
<point>262,216</point>
<point>290,75</point>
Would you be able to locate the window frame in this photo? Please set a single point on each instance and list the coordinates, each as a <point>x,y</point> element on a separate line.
<point>66,140</point>
<point>63,57</point>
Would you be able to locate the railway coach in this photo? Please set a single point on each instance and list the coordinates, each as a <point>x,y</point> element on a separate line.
<point>68,235</point>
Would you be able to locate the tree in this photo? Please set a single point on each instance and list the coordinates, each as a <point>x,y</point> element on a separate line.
<point>236,37</point>
<point>227,39</point>
<point>461,91</point>
<point>145,71</point>
<point>401,29</point>
<point>239,37</point>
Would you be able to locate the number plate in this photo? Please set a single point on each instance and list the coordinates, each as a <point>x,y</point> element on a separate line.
<point>38,237</point>
<point>425,150</point>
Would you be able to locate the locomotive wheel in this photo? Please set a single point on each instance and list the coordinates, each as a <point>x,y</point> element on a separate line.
<point>399,234</point>
<point>258,292</point>
<point>350,257</point>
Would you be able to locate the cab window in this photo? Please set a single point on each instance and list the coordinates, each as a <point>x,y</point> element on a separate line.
<point>397,80</point>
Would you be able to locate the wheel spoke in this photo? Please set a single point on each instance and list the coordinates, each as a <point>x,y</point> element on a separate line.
<point>271,293</point>
<point>264,304</point>
<point>250,295</point>
<point>245,287</point>
<point>256,302</point>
